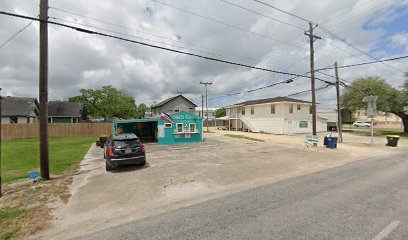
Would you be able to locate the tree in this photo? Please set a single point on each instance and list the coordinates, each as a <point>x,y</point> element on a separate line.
<point>140,111</point>
<point>389,99</point>
<point>220,112</point>
<point>107,102</point>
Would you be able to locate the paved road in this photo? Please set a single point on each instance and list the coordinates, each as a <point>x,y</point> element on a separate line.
<point>362,200</point>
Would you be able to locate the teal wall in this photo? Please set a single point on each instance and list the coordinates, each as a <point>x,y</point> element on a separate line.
<point>61,120</point>
<point>172,137</point>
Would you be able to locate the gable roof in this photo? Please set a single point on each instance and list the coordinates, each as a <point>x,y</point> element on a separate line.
<point>171,99</point>
<point>65,109</point>
<point>272,100</point>
<point>19,106</point>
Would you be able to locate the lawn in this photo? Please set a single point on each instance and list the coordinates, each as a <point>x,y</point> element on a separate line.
<point>20,156</point>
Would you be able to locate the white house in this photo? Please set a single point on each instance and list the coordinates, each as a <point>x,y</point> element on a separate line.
<point>211,112</point>
<point>279,115</point>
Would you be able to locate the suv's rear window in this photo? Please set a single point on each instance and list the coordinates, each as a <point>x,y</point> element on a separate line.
<point>126,143</point>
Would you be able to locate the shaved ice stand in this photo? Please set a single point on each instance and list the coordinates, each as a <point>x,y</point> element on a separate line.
<point>181,128</point>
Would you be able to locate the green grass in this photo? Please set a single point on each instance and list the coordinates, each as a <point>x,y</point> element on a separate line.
<point>7,213</point>
<point>20,156</point>
<point>9,234</point>
<point>244,137</point>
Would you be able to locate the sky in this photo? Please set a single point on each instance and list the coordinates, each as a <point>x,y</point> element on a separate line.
<point>220,29</point>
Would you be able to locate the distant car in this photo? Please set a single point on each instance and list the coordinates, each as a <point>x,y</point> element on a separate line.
<point>361,124</point>
<point>123,149</point>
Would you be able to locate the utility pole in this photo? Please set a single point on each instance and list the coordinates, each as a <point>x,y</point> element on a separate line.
<point>312,76</point>
<point>1,102</point>
<point>339,119</point>
<point>206,84</point>
<point>202,105</point>
<point>43,86</point>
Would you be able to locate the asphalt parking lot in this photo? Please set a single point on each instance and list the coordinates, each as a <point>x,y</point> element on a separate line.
<point>182,175</point>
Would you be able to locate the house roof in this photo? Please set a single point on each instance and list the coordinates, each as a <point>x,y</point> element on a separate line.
<point>19,106</point>
<point>272,100</point>
<point>171,99</point>
<point>65,109</point>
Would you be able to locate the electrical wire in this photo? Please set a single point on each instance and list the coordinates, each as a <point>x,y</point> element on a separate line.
<point>366,63</point>
<point>15,34</point>
<point>147,39</point>
<point>143,32</point>
<point>260,14</point>
<point>83,30</point>
<point>227,24</point>
<point>286,12</point>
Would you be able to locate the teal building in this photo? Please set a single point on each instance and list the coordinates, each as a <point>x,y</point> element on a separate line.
<point>185,128</point>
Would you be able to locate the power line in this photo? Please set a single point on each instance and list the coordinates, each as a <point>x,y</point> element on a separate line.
<point>130,35</point>
<point>324,29</point>
<point>366,63</point>
<point>15,34</point>
<point>354,47</point>
<point>148,45</point>
<point>260,14</point>
<point>139,31</point>
<point>281,10</point>
<point>305,91</point>
<point>226,24</point>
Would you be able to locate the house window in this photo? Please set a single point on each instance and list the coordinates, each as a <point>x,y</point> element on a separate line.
<point>28,119</point>
<point>13,119</point>
<point>74,120</point>
<point>310,109</point>
<point>298,107</point>
<point>252,110</point>
<point>243,111</point>
<point>168,125</point>
<point>290,108</point>
<point>273,109</point>
<point>179,127</point>
<point>177,110</point>
<point>191,110</point>
<point>49,120</point>
<point>192,127</point>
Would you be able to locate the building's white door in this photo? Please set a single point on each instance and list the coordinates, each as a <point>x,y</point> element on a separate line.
<point>289,128</point>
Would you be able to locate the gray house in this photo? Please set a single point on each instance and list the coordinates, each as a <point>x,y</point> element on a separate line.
<point>66,112</point>
<point>174,104</point>
<point>19,110</point>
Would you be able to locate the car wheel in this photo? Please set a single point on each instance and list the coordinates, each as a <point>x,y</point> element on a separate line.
<point>143,163</point>
<point>108,166</point>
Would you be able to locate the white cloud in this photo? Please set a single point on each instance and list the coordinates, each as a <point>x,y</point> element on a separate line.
<point>79,60</point>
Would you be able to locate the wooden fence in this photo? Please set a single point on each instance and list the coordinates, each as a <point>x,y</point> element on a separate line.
<point>14,131</point>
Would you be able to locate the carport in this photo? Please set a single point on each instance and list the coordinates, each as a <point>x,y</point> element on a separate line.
<point>145,129</point>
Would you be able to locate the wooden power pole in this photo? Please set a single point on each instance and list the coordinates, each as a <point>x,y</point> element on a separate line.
<point>1,193</point>
<point>43,86</point>
<point>206,99</point>
<point>312,76</point>
<point>339,119</point>
<point>202,105</point>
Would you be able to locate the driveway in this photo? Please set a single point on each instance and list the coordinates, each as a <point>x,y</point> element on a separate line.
<point>184,175</point>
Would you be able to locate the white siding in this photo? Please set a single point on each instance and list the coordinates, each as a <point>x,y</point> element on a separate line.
<point>281,122</point>
<point>5,120</point>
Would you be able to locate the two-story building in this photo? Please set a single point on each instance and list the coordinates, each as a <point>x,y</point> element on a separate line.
<point>174,104</point>
<point>278,115</point>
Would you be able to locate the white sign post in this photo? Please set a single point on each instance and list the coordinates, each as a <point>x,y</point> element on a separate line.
<point>371,111</point>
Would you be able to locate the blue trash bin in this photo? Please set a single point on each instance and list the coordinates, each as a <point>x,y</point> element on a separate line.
<point>331,142</point>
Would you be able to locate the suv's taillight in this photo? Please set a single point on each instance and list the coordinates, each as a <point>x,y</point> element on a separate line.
<point>110,152</point>
<point>143,149</point>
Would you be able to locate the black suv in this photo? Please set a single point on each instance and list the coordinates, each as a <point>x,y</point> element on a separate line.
<point>124,149</point>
